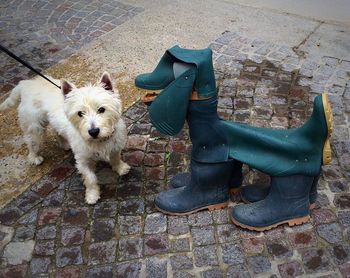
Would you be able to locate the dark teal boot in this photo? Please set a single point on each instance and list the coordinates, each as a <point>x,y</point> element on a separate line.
<point>287,202</point>
<point>285,152</point>
<point>208,189</point>
<point>208,140</point>
<point>184,179</point>
<point>168,111</point>
<point>160,77</point>
<point>256,192</point>
<point>296,167</point>
<point>163,74</point>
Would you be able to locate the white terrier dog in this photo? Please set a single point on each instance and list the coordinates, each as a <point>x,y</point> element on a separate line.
<point>87,120</point>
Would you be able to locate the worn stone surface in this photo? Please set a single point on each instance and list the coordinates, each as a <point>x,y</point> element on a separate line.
<point>259,264</point>
<point>16,253</point>
<point>128,269</point>
<point>130,248</point>
<point>102,252</point>
<point>156,267</point>
<point>123,235</point>
<point>155,223</point>
<point>39,265</point>
<point>68,256</point>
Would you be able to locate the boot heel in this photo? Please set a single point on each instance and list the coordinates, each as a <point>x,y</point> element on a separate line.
<point>327,152</point>
<point>298,221</point>
<point>218,206</point>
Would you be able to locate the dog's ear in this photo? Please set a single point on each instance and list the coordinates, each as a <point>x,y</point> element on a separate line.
<point>106,81</point>
<point>66,87</point>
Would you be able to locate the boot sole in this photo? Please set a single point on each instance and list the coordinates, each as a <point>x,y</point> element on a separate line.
<point>210,208</point>
<point>290,222</point>
<point>327,152</point>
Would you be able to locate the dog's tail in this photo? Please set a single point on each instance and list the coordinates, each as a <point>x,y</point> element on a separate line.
<point>12,100</point>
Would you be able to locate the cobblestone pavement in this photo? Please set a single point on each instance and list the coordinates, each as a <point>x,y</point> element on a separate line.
<point>45,32</point>
<point>50,232</point>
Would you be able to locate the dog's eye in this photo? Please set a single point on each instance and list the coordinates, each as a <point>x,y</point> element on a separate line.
<point>80,113</point>
<point>101,110</point>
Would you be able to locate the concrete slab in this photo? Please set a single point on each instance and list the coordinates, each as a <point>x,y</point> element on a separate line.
<point>325,10</point>
<point>135,46</point>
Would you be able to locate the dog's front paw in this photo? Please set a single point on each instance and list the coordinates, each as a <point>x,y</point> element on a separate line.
<point>92,195</point>
<point>35,160</point>
<point>122,169</point>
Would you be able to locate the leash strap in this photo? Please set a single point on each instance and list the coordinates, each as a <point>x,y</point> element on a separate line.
<point>12,55</point>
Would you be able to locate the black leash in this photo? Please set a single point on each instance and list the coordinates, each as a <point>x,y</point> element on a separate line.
<point>12,55</point>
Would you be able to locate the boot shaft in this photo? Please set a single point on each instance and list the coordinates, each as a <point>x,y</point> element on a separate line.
<point>206,131</point>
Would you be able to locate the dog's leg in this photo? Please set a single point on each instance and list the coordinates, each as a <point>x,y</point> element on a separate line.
<point>118,165</point>
<point>87,170</point>
<point>33,136</point>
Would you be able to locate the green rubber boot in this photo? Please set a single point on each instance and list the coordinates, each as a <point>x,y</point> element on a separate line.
<point>256,192</point>
<point>163,74</point>
<point>168,111</point>
<point>161,77</point>
<point>285,152</point>
<point>293,158</point>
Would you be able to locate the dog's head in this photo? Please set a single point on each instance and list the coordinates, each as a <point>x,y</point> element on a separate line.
<point>93,110</point>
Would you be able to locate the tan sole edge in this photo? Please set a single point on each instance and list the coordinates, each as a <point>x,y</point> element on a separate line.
<point>210,208</point>
<point>327,152</point>
<point>291,222</point>
<point>312,206</point>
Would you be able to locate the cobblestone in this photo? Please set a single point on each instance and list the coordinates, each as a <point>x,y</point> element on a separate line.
<point>68,256</point>
<point>47,232</point>
<point>330,232</point>
<point>316,260</point>
<point>39,265</point>
<point>44,248</point>
<point>130,248</point>
<point>102,271</point>
<point>180,262</point>
<point>203,236</point>
<point>102,252</point>
<point>129,225</point>
<point>259,264</point>
<point>180,245</point>
<point>205,256</point>
<point>16,253</point>
<point>156,267</point>
<point>155,223</point>
<point>290,269</point>
<point>128,270</point>
<point>72,236</point>
<point>102,230</point>
<point>178,225</point>
<point>156,244</point>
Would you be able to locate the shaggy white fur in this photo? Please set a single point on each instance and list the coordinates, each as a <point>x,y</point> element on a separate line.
<point>87,120</point>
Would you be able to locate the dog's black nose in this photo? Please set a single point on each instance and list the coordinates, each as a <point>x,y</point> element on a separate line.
<point>94,132</point>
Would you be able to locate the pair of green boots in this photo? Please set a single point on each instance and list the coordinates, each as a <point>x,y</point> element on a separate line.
<point>292,157</point>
